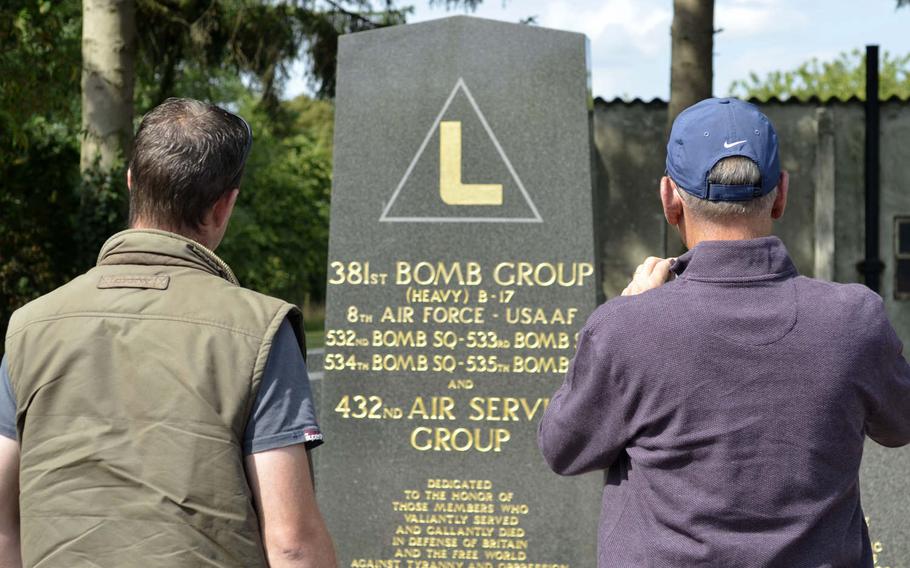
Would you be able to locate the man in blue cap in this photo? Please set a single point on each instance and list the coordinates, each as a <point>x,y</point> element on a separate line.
<point>730,404</point>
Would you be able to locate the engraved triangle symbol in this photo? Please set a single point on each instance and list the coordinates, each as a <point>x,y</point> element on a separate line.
<point>387,218</point>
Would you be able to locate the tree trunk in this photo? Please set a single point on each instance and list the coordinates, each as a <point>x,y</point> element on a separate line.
<point>691,71</point>
<point>108,76</point>
<point>691,66</point>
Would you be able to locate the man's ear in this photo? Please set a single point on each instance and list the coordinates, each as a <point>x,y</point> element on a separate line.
<point>780,200</point>
<point>222,209</point>
<point>671,202</point>
<point>129,179</point>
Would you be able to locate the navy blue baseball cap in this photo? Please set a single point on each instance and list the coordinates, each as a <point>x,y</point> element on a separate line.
<point>714,129</point>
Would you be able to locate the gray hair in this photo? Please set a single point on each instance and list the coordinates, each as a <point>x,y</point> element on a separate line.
<point>734,170</point>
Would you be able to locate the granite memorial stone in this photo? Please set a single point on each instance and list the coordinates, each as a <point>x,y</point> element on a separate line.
<point>461,267</point>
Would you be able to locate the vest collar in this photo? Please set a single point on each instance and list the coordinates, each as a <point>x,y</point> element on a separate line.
<point>765,258</point>
<point>151,246</point>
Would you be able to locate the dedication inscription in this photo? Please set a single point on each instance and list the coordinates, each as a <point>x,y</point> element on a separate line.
<point>460,271</point>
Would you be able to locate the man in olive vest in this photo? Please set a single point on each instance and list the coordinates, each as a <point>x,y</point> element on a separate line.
<point>154,413</point>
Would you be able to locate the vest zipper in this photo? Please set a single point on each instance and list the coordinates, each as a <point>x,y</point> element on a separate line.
<point>215,263</point>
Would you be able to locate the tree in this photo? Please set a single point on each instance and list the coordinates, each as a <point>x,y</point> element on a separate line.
<point>278,239</point>
<point>108,70</point>
<point>842,78</point>
<point>39,63</point>
<point>258,39</point>
<point>691,66</point>
<point>53,218</point>
<point>39,148</point>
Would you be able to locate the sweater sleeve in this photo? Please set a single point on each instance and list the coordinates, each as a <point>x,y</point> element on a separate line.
<point>888,422</point>
<point>587,423</point>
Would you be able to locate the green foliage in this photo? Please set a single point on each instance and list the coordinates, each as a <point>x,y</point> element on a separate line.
<point>43,199</point>
<point>35,200</point>
<point>52,220</point>
<point>101,211</point>
<point>235,53</point>
<point>842,78</point>
<point>217,86</point>
<point>186,36</point>
<point>39,69</point>
<point>315,118</point>
<point>277,242</point>
<point>253,38</point>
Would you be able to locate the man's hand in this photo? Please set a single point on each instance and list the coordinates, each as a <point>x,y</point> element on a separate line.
<point>650,274</point>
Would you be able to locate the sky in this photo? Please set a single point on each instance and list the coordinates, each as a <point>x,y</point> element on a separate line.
<point>630,39</point>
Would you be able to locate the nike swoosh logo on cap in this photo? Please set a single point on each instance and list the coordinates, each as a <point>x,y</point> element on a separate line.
<point>730,145</point>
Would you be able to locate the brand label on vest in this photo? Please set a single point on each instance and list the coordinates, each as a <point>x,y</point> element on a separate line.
<point>135,281</point>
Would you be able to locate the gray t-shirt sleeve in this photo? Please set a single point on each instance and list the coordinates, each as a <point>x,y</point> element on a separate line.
<point>283,413</point>
<point>7,403</point>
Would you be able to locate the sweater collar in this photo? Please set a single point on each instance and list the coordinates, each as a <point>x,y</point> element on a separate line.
<point>151,246</point>
<point>765,258</point>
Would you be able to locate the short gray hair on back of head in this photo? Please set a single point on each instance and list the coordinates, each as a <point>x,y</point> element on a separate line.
<point>734,170</point>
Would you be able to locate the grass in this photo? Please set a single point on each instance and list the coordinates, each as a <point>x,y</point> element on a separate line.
<point>314,329</point>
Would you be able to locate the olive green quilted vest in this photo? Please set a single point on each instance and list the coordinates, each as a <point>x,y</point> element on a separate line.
<point>133,385</point>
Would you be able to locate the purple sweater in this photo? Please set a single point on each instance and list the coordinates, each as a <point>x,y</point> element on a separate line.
<point>729,408</point>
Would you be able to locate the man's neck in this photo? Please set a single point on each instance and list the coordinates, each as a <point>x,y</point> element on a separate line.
<point>196,236</point>
<point>698,232</point>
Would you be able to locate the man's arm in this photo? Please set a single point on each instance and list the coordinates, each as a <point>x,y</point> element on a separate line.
<point>888,422</point>
<point>587,423</point>
<point>293,532</point>
<point>9,504</point>
<point>590,418</point>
